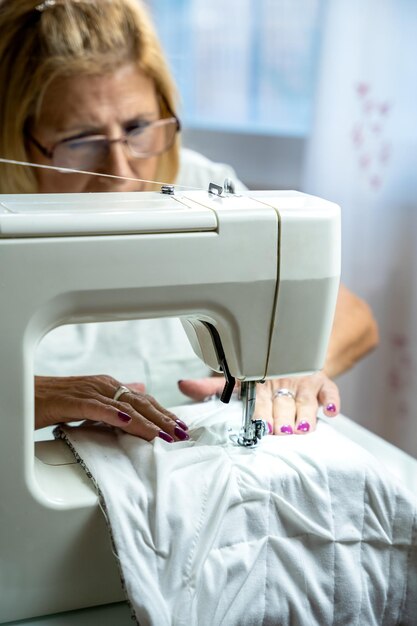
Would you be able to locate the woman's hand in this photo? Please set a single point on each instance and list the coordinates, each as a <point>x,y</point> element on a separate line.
<point>289,405</point>
<point>74,398</point>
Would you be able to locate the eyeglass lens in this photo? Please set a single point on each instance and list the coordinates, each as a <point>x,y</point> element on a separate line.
<point>91,153</point>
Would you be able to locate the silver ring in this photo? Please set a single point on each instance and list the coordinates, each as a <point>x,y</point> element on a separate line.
<point>283,392</point>
<point>120,391</point>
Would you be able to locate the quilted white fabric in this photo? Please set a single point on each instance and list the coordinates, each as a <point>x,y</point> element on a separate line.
<point>302,531</point>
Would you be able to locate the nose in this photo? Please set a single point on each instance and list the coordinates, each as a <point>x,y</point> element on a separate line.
<point>119,163</point>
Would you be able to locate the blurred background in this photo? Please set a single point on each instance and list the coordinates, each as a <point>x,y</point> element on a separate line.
<point>321,96</point>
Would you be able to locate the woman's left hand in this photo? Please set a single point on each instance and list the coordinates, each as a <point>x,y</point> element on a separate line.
<point>288,404</point>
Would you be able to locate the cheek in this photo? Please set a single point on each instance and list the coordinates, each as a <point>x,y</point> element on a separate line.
<point>145,168</point>
<point>50,181</point>
<point>54,182</point>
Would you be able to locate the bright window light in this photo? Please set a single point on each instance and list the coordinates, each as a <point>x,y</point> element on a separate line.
<point>243,65</point>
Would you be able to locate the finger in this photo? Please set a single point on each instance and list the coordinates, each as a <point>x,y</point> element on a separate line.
<point>170,421</point>
<point>307,401</point>
<point>123,416</point>
<point>144,407</point>
<point>202,388</point>
<point>284,408</point>
<point>306,413</point>
<point>136,387</point>
<point>312,392</point>
<point>329,398</point>
<point>168,413</point>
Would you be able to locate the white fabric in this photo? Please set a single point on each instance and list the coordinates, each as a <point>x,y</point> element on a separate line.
<point>363,155</point>
<point>303,531</point>
<point>197,170</point>
<point>154,352</point>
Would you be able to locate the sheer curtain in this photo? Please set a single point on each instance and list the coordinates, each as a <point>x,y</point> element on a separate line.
<point>363,155</point>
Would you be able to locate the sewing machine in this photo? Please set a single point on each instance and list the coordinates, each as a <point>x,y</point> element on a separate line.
<point>254,279</point>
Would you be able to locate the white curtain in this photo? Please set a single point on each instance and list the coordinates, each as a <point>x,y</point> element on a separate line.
<point>363,155</point>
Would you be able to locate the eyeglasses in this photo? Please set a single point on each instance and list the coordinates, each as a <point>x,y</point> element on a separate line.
<point>147,139</point>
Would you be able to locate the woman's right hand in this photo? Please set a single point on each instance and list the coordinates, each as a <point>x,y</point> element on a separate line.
<point>289,404</point>
<point>76,398</point>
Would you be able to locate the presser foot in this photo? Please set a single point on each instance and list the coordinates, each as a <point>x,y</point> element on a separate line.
<point>252,430</point>
<point>249,438</point>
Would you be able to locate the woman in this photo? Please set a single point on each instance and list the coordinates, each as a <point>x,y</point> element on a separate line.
<point>85,86</point>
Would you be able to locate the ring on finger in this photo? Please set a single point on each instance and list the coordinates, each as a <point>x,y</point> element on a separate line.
<point>283,392</point>
<point>120,391</point>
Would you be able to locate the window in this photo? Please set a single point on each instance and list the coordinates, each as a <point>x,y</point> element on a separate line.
<point>243,65</point>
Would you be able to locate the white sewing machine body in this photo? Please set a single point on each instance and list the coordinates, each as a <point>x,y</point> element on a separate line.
<point>261,268</point>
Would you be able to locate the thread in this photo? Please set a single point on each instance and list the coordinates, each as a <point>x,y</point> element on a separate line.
<point>67,170</point>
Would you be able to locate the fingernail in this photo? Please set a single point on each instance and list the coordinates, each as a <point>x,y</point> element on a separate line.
<point>270,428</point>
<point>180,381</point>
<point>181,434</point>
<point>303,426</point>
<point>331,407</point>
<point>181,424</point>
<point>124,417</point>
<point>165,436</point>
<point>286,429</point>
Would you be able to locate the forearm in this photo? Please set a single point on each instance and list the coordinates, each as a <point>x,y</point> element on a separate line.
<point>354,333</point>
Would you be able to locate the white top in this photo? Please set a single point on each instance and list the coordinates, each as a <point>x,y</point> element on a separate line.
<point>154,352</point>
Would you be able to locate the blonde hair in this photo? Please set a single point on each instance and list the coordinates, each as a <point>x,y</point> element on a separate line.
<point>40,42</point>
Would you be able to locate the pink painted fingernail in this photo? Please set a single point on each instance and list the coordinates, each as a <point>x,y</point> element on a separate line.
<point>163,435</point>
<point>303,426</point>
<point>270,428</point>
<point>124,417</point>
<point>286,429</point>
<point>181,434</point>
<point>331,407</point>
<point>181,424</point>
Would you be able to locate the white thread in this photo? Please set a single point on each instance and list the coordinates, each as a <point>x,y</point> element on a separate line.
<point>67,170</point>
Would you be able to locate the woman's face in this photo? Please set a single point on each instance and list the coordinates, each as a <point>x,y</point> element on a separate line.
<point>84,106</point>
